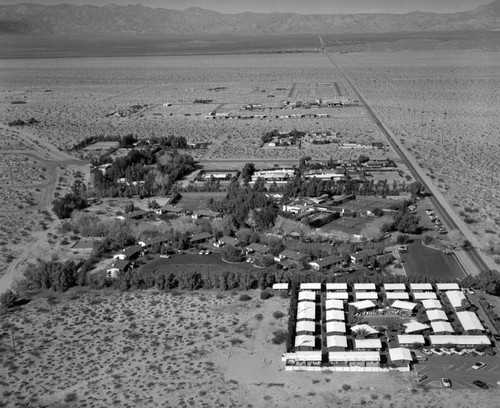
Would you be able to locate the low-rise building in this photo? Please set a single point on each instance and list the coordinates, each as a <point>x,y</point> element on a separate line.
<point>462,341</point>
<point>401,357</point>
<point>200,238</point>
<point>470,322</point>
<point>354,358</point>
<point>440,327</point>
<point>411,340</point>
<point>325,263</point>
<point>336,342</point>
<point>367,344</point>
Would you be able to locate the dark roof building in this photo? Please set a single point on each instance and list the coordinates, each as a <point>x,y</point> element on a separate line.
<point>293,255</point>
<point>324,263</point>
<point>255,247</point>
<point>201,237</point>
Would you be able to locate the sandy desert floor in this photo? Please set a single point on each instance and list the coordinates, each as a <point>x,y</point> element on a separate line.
<point>90,348</point>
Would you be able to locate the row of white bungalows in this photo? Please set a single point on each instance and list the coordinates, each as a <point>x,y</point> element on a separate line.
<point>344,296</point>
<point>455,297</point>
<point>367,344</point>
<point>302,358</point>
<point>305,327</point>
<point>421,291</point>
<point>441,327</point>
<point>354,358</point>
<point>366,287</point>
<point>470,322</point>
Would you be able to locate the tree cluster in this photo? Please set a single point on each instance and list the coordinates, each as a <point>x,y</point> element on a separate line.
<point>57,276</point>
<point>63,207</point>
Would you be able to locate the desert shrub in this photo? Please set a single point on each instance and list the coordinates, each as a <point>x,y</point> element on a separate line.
<point>278,314</point>
<point>266,294</point>
<point>284,294</point>
<point>346,387</point>
<point>427,240</point>
<point>70,397</point>
<point>235,341</point>
<point>245,298</point>
<point>280,336</point>
<point>259,316</point>
<point>8,299</point>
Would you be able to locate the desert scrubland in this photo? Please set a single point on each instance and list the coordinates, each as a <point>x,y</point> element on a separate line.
<point>72,99</point>
<point>90,348</point>
<point>444,105</point>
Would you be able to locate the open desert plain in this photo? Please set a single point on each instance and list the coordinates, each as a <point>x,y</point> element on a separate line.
<point>429,105</point>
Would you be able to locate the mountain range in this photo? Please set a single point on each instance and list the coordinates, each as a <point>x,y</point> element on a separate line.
<point>66,19</point>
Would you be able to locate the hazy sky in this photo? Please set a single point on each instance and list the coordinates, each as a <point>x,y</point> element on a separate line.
<point>297,6</point>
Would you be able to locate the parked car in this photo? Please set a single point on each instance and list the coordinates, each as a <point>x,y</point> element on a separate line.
<point>457,352</point>
<point>480,353</point>
<point>478,365</point>
<point>426,351</point>
<point>481,384</point>
<point>446,382</point>
<point>438,352</point>
<point>165,256</point>
<point>421,357</point>
<point>207,252</point>
<point>446,351</point>
<point>496,336</point>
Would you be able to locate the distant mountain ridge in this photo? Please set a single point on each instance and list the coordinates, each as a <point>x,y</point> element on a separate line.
<point>31,18</point>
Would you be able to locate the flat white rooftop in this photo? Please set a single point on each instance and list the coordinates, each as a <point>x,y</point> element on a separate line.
<point>432,304</point>
<point>306,310</point>
<point>337,295</point>
<point>310,286</point>
<point>397,295</point>
<point>363,304</point>
<point>336,341</point>
<point>347,356</point>
<point>478,340</point>
<point>307,295</point>
<point>455,297</point>
<point>469,321</point>
<point>447,286</point>
<point>280,286</point>
<point>334,304</point>
<point>304,340</point>
<point>401,304</point>
<point>411,339</point>
<point>336,286</point>
<point>424,295</point>
<point>394,286</point>
<point>366,295</point>
<point>436,314</point>
<point>303,356</point>
<point>400,354</point>
<point>305,326</point>
<point>421,286</point>
<point>442,327</point>
<point>364,286</point>
<point>335,327</point>
<point>335,314</point>
<point>367,344</point>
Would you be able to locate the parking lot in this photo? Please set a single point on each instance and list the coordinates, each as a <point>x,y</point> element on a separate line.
<point>423,261</point>
<point>459,370</point>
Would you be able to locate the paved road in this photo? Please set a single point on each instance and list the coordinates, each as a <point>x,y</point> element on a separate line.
<point>444,210</point>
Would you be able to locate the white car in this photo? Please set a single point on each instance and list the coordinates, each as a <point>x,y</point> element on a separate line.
<point>478,366</point>
<point>165,256</point>
<point>438,352</point>
<point>446,382</point>
<point>207,252</point>
<point>447,351</point>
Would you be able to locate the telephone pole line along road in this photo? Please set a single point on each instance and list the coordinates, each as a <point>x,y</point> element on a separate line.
<point>471,257</point>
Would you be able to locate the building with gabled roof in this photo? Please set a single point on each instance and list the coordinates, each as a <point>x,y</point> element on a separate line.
<point>201,237</point>
<point>259,248</point>
<point>305,326</point>
<point>394,286</point>
<point>370,330</point>
<point>307,295</point>
<point>424,295</point>
<point>324,263</point>
<point>336,286</point>
<point>355,358</point>
<point>413,326</point>
<point>366,295</point>
<point>397,295</point>
<point>432,304</point>
<point>334,304</point>
<point>310,286</point>
<point>401,304</point>
<point>456,297</point>
<point>363,305</point>
<point>463,341</point>
<point>305,342</point>
<point>344,296</point>
<point>421,287</point>
<point>335,327</point>
<point>306,310</point>
<point>447,286</point>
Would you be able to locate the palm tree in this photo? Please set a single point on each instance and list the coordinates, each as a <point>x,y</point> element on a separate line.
<point>361,333</point>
